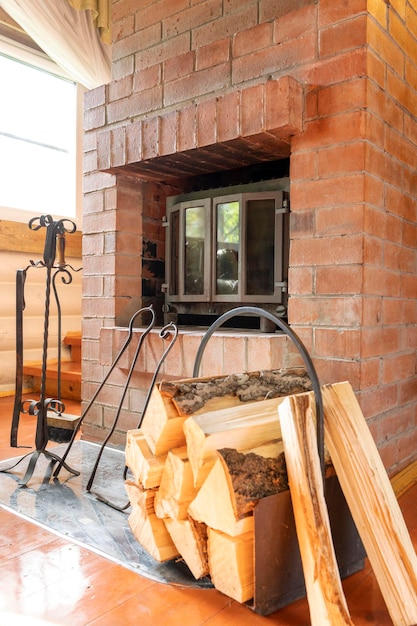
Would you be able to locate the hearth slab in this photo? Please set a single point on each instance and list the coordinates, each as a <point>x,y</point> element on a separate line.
<point>63,506</point>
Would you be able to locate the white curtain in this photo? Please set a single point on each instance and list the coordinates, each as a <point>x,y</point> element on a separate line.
<point>69,37</point>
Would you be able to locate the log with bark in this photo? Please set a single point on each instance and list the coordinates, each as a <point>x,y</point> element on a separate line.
<point>226,501</point>
<point>172,402</point>
<point>242,427</point>
<point>191,395</point>
<point>235,483</point>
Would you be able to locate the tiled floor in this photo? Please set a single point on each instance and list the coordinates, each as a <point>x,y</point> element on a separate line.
<point>45,579</point>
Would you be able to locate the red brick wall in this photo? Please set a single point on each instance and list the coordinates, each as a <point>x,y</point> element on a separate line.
<point>390,280</point>
<point>353,253</point>
<point>334,84</point>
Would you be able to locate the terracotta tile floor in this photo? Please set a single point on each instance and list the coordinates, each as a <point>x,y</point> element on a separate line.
<point>47,580</point>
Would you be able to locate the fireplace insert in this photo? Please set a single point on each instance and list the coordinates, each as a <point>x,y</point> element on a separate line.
<point>225,248</point>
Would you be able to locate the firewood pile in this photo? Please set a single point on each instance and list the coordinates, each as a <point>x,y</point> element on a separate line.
<point>209,449</point>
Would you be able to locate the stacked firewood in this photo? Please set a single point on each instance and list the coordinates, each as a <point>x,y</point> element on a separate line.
<point>207,451</point>
<point>210,449</point>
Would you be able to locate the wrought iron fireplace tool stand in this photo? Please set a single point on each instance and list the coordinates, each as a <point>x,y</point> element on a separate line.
<point>54,243</point>
<point>168,332</point>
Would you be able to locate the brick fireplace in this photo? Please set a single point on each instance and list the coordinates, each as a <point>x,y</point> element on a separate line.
<point>221,91</point>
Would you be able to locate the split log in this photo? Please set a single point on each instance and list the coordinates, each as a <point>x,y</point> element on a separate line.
<point>161,424</point>
<point>172,402</point>
<point>190,539</point>
<point>212,505</point>
<point>235,483</point>
<point>152,534</point>
<point>146,468</point>
<point>138,496</point>
<point>372,502</point>
<point>176,489</point>
<point>231,564</point>
<point>325,595</point>
<point>149,530</point>
<point>243,427</point>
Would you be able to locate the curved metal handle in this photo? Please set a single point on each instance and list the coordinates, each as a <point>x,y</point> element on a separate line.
<point>252,310</point>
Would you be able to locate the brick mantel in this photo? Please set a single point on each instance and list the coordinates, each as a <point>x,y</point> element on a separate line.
<point>247,126</point>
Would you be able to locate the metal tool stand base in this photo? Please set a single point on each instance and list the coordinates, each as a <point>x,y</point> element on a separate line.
<point>34,457</point>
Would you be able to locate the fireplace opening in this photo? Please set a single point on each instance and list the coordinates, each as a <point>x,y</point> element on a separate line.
<point>227,247</point>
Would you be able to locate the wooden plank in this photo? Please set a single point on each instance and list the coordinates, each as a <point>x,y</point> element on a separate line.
<point>70,371</point>
<point>372,502</point>
<point>325,595</point>
<point>33,241</point>
<point>73,340</point>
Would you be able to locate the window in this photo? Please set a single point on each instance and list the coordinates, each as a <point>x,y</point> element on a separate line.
<point>39,136</point>
<point>225,251</point>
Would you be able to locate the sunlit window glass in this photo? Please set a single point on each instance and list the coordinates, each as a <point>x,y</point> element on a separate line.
<point>227,247</point>
<point>37,139</point>
<point>195,228</point>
